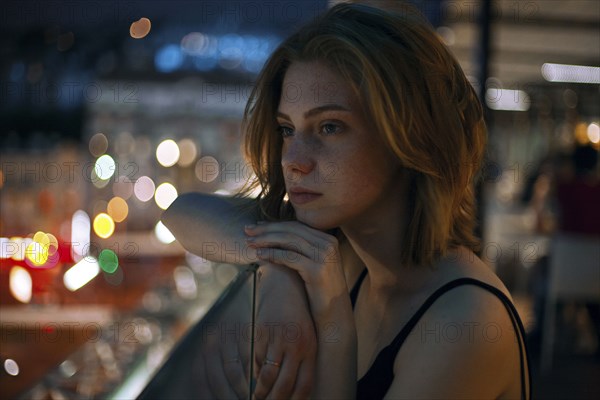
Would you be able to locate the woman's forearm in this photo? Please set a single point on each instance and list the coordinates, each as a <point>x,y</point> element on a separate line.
<point>212,226</point>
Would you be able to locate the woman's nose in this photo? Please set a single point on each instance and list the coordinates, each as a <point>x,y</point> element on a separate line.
<point>297,159</point>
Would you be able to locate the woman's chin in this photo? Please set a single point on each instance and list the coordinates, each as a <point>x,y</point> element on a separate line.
<point>316,222</point>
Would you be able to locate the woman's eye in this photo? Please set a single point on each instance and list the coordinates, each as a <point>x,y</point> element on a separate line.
<point>330,129</point>
<point>285,131</point>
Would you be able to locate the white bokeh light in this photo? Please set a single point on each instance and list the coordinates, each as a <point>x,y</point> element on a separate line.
<point>165,195</point>
<point>167,153</point>
<point>105,167</point>
<point>144,188</point>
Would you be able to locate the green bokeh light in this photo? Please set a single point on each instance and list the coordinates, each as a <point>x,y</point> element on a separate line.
<point>108,260</point>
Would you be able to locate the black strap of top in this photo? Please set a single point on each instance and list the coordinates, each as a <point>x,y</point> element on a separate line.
<point>388,354</point>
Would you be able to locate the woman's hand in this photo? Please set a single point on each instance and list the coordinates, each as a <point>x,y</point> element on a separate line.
<point>285,334</point>
<point>316,258</point>
<point>314,255</point>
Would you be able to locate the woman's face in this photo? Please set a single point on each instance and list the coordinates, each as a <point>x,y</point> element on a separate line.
<point>337,169</point>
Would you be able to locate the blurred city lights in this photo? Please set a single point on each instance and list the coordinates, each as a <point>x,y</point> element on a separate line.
<point>593,133</point>
<point>140,29</point>
<point>80,234</point>
<point>16,247</point>
<point>165,195</point>
<point>105,167</point>
<point>37,253</point>
<point>581,133</point>
<point>187,152</point>
<point>11,367</point>
<point>163,233</point>
<point>194,43</point>
<point>168,58</point>
<point>167,153</point>
<point>185,283</point>
<point>144,188</point>
<point>20,284</point>
<point>81,273</point>
<point>108,260</point>
<point>507,100</point>
<point>571,73</point>
<point>104,226</point>
<point>117,208</point>
<point>207,169</point>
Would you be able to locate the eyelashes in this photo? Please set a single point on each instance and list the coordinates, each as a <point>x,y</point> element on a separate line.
<point>326,129</point>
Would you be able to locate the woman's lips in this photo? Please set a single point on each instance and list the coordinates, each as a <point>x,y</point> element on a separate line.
<point>303,196</point>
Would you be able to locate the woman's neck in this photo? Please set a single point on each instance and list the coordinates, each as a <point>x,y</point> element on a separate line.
<point>377,238</point>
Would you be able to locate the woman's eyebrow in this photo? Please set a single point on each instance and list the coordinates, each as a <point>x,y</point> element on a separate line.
<point>317,110</point>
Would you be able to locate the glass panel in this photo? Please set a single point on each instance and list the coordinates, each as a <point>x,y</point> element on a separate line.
<point>214,359</point>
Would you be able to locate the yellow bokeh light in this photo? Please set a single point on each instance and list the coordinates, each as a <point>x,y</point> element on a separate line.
<point>41,238</point>
<point>104,226</point>
<point>117,208</point>
<point>37,253</point>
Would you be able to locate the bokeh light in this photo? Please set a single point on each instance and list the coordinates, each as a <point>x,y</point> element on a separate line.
<point>104,226</point>
<point>36,253</point>
<point>167,153</point>
<point>108,260</point>
<point>163,233</point>
<point>105,167</point>
<point>11,367</point>
<point>188,152</point>
<point>98,144</point>
<point>140,29</point>
<point>117,208</point>
<point>593,133</point>
<point>80,234</point>
<point>81,273</point>
<point>207,169</point>
<point>168,58</point>
<point>144,188</point>
<point>20,284</point>
<point>165,195</point>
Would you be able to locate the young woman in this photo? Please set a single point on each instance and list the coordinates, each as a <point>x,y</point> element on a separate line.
<point>366,138</point>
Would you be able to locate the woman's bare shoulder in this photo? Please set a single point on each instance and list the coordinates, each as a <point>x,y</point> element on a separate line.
<point>470,329</point>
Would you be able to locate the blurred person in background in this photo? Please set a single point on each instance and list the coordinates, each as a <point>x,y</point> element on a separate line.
<point>575,198</point>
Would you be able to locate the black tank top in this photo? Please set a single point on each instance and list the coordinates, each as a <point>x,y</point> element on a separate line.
<point>378,379</point>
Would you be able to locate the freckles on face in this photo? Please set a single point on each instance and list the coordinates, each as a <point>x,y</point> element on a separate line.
<point>336,166</point>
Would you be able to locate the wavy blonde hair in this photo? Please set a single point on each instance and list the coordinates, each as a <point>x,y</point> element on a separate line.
<point>422,104</point>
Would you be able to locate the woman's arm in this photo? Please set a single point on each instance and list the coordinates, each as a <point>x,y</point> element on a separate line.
<point>315,256</point>
<point>212,226</point>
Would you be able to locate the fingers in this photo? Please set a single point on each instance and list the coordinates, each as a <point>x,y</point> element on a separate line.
<point>217,381</point>
<point>235,375</point>
<point>298,249</point>
<point>293,227</point>
<point>286,379</point>
<point>267,375</point>
<point>304,381</point>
